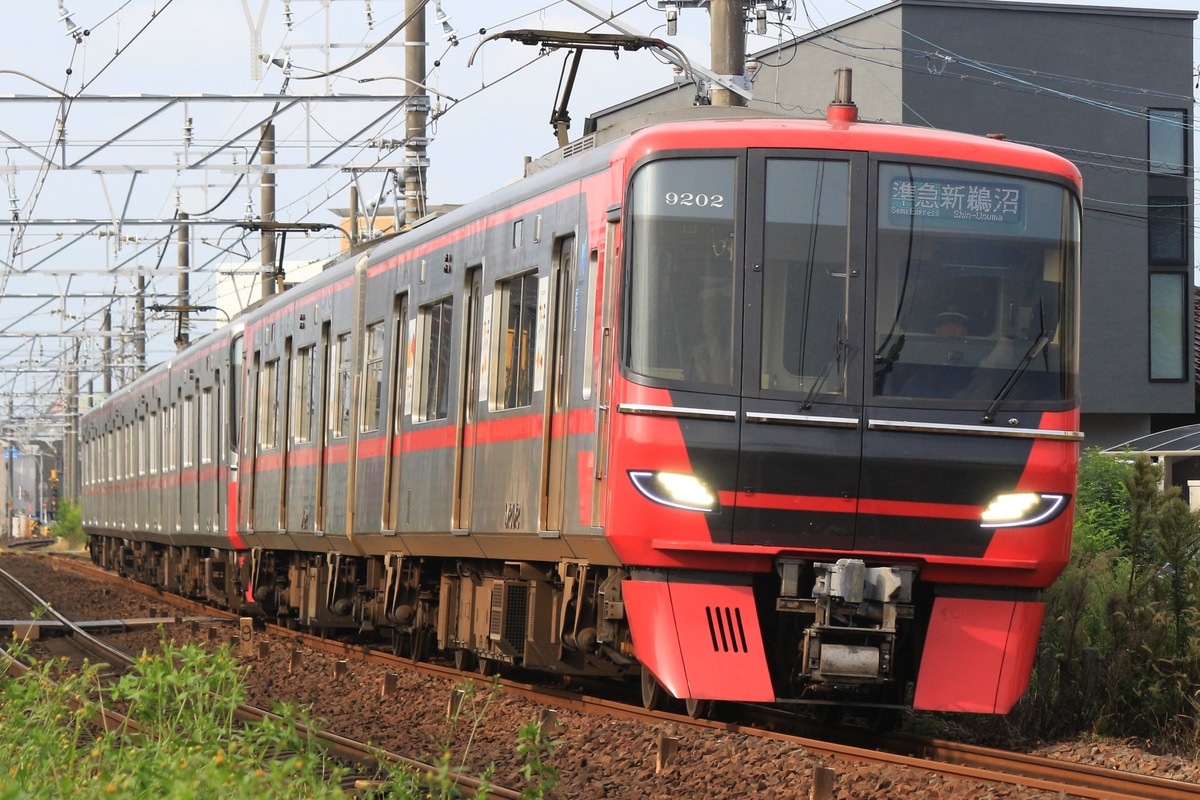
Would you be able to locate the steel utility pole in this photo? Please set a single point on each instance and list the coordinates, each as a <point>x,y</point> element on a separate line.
<point>139,325</point>
<point>415,133</point>
<point>106,327</point>
<point>185,264</point>
<point>267,212</point>
<point>70,479</point>
<point>728,44</point>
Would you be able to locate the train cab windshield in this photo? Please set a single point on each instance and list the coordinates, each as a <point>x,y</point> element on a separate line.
<point>747,284</point>
<point>974,287</point>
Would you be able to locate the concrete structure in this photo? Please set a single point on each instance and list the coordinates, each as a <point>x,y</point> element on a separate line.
<point>1110,88</point>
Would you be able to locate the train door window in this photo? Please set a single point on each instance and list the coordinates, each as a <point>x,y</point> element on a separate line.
<point>141,445</point>
<point>401,365</point>
<point>805,276</point>
<point>188,431</point>
<point>121,440</point>
<point>564,319</point>
<point>519,305</point>
<point>154,432</point>
<point>588,320</point>
<point>681,319</point>
<point>303,403</point>
<point>436,319</point>
<point>340,386</point>
<point>376,346</point>
<point>268,406</point>
<point>206,426</point>
<point>235,390</point>
<point>174,435</point>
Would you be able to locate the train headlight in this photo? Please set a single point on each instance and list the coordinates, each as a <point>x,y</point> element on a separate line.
<point>675,489</point>
<point>1022,508</point>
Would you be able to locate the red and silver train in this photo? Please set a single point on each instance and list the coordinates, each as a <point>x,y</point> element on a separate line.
<point>744,408</point>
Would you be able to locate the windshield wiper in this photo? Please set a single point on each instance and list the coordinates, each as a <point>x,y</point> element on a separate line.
<point>839,350</point>
<point>1035,349</point>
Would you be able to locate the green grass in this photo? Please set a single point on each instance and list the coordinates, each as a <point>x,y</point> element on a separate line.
<point>187,744</point>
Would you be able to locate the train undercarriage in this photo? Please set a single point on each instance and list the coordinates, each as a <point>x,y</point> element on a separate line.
<point>834,633</point>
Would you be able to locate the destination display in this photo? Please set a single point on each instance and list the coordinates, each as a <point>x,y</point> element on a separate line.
<point>947,201</point>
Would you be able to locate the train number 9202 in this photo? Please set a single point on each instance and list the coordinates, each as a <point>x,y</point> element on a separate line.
<point>694,199</point>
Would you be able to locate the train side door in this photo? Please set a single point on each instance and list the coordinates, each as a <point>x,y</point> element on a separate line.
<point>556,429</point>
<point>401,358</point>
<point>250,444</point>
<point>468,398</point>
<point>801,422</point>
<point>283,426</point>
<point>322,393</point>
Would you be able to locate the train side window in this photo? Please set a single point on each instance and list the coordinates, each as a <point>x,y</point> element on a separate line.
<point>340,386</point>
<point>376,343</point>
<point>436,323</point>
<point>519,299</point>
<point>302,404</point>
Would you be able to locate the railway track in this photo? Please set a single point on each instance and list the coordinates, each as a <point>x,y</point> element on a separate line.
<point>839,749</point>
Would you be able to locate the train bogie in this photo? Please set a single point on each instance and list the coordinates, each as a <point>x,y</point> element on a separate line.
<point>681,407</point>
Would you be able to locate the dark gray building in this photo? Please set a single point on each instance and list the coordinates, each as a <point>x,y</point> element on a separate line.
<point>1110,88</point>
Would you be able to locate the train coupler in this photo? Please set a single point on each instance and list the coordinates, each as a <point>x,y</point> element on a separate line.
<point>855,612</point>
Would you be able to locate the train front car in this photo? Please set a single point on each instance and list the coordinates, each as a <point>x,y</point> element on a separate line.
<point>843,420</point>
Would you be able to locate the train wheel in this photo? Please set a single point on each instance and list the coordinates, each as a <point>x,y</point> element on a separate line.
<point>697,709</point>
<point>413,645</point>
<point>487,667</point>
<point>464,660</point>
<point>418,649</point>
<point>653,695</point>
<point>829,715</point>
<point>884,720</point>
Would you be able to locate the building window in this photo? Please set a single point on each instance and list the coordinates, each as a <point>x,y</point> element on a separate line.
<point>520,301</point>
<point>435,388</point>
<point>1167,135</point>
<point>1167,226</point>
<point>1168,326</point>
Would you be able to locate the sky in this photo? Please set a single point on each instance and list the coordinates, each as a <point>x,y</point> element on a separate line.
<point>60,276</point>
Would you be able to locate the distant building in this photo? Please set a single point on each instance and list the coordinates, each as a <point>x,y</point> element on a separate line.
<point>1109,88</point>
